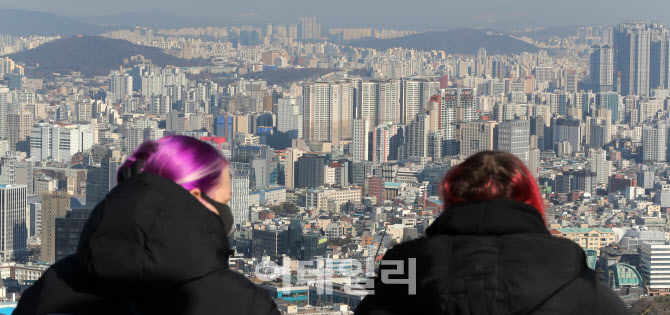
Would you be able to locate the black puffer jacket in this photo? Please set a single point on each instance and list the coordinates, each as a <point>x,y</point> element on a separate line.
<point>148,248</point>
<point>492,257</point>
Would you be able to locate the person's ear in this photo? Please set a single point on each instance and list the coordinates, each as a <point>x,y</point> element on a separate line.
<point>195,192</point>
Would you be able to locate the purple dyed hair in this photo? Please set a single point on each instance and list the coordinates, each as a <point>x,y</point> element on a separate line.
<point>187,161</point>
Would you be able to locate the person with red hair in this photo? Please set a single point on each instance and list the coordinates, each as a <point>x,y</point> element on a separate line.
<point>489,252</point>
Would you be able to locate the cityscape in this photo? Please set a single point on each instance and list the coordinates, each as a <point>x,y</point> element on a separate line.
<point>338,139</point>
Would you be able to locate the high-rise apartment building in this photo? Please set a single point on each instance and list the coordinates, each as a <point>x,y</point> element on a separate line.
<point>289,116</point>
<point>602,68</point>
<point>239,182</point>
<point>121,85</point>
<point>543,74</point>
<point>611,101</point>
<point>641,55</point>
<point>380,101</point>
<point>308,28</point>
<point>387,140</point>
<point>600,165</point>
<point>654,143</point>
<point>423,137</point>
<point>448,103</point>
<point>84,110</point>
<point>18,130</point>
<point>360,150</point>
<point>290,167</point>
<point>567,129</point>
<point>4,111</point>
<point>328,111</point>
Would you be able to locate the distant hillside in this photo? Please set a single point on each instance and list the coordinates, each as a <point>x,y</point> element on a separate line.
<point>26,23</point>
<point>544,34</point>
<point>91,55</point>
<point>463,41</point>
<point>155,19</point>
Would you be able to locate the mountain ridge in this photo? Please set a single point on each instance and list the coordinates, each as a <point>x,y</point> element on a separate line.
<point>17,22</point>
<point>460,41</point>
<point>92,56</point>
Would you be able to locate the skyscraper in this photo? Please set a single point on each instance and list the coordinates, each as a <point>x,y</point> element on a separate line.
<point>513,137</point>
<point>602,68</point>
<point>101,180</point>
<point>411,101</point>
<point>83,110</point>
<point>423,137</point>
<point>654,143</point>
<point>534,162</point>
<point>543,74</point>
<point>134,137</point>
<point>641,55</point>
<point>600,165</point>
<point>311,168</point>
<point>646,176</point>
<point>14,232</point>
<point>308,28</point>
<point>611,101</point>
<point>387,140</point>
<point>18,130</point>
<point>361,143</point>
<point>53,205</point>
<point>121,85</point>
<point>379,101</point>
<point>328,111</point>
<point>417,136</point>
<point>4,110</point>
<point>659,57</point>
<point>567,129</point>
<point>239,201</point>
<point>388,101</point>
<point>289,116</point>
<point>8,169</point>
<point>366,102</point>
<point>290,174</point>
<point>446,104</point>
<point>477,136</point>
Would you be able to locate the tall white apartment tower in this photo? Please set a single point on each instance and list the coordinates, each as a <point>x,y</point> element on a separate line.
<point>600,165</point>
<point>361,141</point>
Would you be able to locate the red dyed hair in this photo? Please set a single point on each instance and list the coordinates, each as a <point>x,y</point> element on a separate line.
<point>491,175</point>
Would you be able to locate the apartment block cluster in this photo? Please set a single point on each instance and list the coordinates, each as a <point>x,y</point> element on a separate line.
<point>332,171</point>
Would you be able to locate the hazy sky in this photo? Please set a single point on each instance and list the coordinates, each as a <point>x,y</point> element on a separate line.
<point>400,14</point>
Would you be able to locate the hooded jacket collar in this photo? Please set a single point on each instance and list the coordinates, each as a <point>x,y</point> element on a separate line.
<point>490,217</point>
<point>150,235</point>
<point>508,238</point>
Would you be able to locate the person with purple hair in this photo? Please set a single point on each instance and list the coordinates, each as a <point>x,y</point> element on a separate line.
<point>156,244</point>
